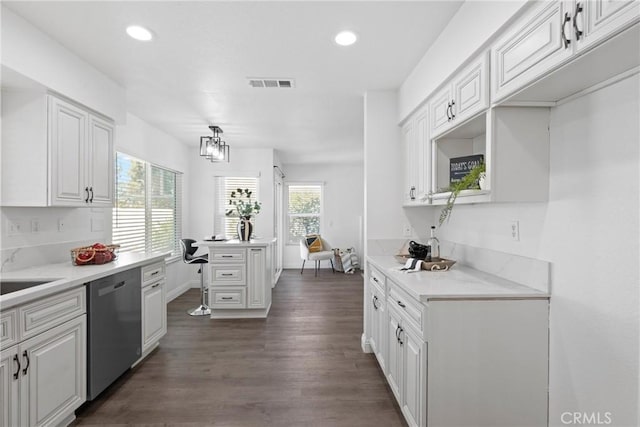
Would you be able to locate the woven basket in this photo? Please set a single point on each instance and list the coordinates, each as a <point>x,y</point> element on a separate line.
<point>94,256</point>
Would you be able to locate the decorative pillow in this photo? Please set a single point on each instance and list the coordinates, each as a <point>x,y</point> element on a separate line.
<point>314,243</point>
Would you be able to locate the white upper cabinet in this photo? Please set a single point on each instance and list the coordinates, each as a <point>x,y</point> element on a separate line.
<point>550,53</point>
<point>416,155</point>
<point>532,47</point>
<point>461,98</point>
<point>68,137</point>
<point>69,158</point>
<point>596,20</point>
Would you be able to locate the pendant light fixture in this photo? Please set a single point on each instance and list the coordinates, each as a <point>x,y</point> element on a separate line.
<point>213,147</point>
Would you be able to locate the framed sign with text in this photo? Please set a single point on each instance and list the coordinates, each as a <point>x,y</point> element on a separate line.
<point>459,167</point>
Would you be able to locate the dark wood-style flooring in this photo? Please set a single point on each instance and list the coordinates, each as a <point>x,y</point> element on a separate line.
<point>302,366</point>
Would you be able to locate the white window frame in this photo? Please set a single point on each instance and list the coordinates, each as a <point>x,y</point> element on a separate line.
<point>221,205</point>
<point>289,215</point>
<point>176,251</point>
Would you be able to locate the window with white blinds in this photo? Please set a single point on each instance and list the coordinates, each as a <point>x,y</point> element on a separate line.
<point>304,210</point>
<point>224,224</point>
<point>147,215</point>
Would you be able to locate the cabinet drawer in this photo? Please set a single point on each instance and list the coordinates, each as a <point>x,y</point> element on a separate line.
<point>51,311</point>
<point>153,272</point>
<point>227,255</point>
<point>413,311</point>
<point>8,328</point>
<point>228,275</point>
<point>227,297</point>
<point>377,278</point>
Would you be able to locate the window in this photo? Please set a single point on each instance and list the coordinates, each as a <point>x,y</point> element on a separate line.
<point>304,212</point>
<point>147,214</point>
<point>224,224</point>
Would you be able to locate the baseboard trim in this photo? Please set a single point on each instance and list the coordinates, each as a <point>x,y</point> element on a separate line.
<point>175,293</point>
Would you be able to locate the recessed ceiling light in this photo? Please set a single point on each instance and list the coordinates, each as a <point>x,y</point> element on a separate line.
<point>346,38</point>
<point>139,33</point>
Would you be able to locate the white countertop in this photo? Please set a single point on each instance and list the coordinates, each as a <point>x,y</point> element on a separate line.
<point>460,282</point>
<point>68,276</point>
<point>235,243</point>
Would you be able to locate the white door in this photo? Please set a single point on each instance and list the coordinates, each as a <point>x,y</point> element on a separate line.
<point>394,361</point>
<point>256,273</point>
<point>154,314</point>
<point>414,378</point>
<point>597,20</point>
<point>440,111</point>
<point>374,332</point>
<point>470,90</point>
<point>101,170</point>
<point>408,152</point>
<point>535,45</point>
<point>55,376</point>
<point>10,374</point>
<point>68,141</point>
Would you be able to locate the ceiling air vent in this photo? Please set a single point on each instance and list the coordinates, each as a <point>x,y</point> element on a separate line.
<point>270,82</point>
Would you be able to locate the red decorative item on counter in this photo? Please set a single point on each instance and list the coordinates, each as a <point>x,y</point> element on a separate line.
<point>98,253</point>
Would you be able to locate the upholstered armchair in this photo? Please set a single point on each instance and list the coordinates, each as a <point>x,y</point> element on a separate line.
<point>325,254</point>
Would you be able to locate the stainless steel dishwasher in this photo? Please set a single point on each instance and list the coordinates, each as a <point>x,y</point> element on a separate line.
<point>114,328</point>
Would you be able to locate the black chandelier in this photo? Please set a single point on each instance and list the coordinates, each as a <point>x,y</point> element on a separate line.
<point>213,147</point>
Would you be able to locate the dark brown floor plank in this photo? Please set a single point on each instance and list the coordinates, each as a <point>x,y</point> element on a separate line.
<point>302,366</point>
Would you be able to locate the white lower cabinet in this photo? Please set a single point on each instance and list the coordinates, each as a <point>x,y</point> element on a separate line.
<point>461,362</point>
<point>154,305</point>
<point>43,379</point>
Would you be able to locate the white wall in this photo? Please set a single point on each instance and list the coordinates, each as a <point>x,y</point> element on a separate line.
<point>469,29</point>
<point>244,162</point>
<point>383,172</point>
<point>139,139</point>
<point>343,205</point>
<point>590,232</point>
<point>34,54</point>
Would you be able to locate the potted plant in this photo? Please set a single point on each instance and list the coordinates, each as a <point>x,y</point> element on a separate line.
<point>469,182</point>
<point>241,204</point>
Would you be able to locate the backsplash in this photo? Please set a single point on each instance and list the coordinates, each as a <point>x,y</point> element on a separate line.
<point>36,236</point>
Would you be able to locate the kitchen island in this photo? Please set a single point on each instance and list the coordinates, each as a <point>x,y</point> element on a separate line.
<point>240,277</point>
<point>458,347</point>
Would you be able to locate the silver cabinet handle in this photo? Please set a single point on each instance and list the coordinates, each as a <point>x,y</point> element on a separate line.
<point>225,298</point>
<point>576,30</point>
<point>401,304</point>
<point>565,40</point>
<point>155,286</point>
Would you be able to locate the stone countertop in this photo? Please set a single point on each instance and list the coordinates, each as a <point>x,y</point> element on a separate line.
<point>460,282</point>
<point>235,243</point>
<point>65,276</point>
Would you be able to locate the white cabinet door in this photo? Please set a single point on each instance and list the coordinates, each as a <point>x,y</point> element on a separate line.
<point>68,141</point>
<point>597,20</point>
<point>470,90</point>
<point>379,324</point>
<point>374,327</point>
<point>422,154</point>
<point>414,399</point>
<point>10,370</point>
<point>154,314</point>
<point>55,373</point>
<point>100,162</point>
<point>394,361</point>
<point>257,269</point>
<point>535,45</point>
<point>408,153</point>
<point>440,111</point>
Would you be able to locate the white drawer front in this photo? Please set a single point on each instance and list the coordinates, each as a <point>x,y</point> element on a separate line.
<point>227,255</point>
<point>51,311</point>
<point>153,272</point>
<point>377,277</point>
<point>413,311</point>
<point>227,297</point>
<point>8,328</point>
<point>226,275</point>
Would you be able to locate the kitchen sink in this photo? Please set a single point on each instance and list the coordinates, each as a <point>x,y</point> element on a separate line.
<point>8,286</point>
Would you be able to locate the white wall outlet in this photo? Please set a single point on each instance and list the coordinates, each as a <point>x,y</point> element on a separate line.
<point>35,225</point>
<point>406,230</point>
<point>61,224</point>
<point>515,230</point>
<point>14,227</point>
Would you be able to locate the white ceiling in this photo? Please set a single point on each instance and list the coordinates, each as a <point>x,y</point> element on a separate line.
<point>194,73</point>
